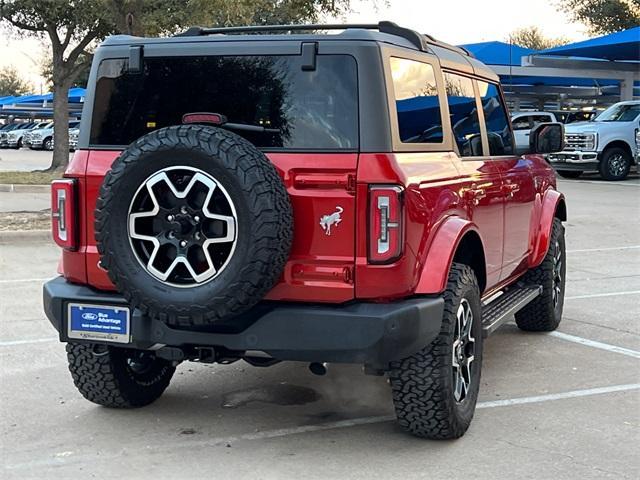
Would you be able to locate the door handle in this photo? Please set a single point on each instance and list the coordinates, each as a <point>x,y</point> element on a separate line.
<point>510,188</point>
<point>474,195</point>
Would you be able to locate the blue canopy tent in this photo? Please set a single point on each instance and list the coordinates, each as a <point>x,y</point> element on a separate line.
<point>498,53</point>
<point>40,106</point>
<point>602,81</point>
<point>618,46</point>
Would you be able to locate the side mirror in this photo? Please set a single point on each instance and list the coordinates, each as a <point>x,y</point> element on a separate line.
<point>547,138</point>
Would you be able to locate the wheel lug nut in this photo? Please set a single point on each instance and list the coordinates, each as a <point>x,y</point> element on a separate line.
<point>183,209</point>
<point>196,218</point>
<point>170,218</point>
<point>197,236</point>
<point>183,243</point>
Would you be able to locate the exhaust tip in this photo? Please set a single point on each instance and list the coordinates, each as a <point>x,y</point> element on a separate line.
<point>318,368</point>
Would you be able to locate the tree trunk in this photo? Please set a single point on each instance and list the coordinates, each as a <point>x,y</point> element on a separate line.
<point>61,125</point>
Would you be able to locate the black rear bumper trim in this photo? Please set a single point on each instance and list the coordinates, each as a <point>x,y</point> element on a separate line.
<point>368,333</point>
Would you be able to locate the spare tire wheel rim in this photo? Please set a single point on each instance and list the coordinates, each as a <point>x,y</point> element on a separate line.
<point>182,226</point>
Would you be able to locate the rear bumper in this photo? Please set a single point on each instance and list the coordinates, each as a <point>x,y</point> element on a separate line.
<point>366,333</point>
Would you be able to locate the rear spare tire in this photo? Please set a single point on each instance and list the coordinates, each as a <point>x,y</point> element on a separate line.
<point>193,225</point>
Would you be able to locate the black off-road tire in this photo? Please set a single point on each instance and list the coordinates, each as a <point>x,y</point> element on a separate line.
<point>422,384</point>
<point>264,216</point>
<point>610,155</point>
<point>570,173</point>
<point>104,375</point>
<point>543,314</point>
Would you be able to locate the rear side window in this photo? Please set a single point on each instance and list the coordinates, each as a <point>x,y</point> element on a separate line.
<point>536,119</point>
<point>495,116</point>
<point>521,123</point>
<point>463,113</point>
<point>309,109</point>
<point>417,103</point>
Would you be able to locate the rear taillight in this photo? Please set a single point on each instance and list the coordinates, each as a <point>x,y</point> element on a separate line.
<point>63,219</point>
<point>385,224</point>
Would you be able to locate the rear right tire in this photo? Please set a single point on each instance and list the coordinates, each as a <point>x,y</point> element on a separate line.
<point>435,390</point>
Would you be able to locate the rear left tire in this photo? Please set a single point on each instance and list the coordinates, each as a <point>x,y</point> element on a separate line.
<point>544,313</point>
<point>118,377</point>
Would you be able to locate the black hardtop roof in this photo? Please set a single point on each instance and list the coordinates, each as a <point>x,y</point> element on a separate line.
<point>383,32</point>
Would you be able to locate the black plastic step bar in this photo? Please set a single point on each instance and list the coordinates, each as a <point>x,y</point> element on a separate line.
<point>499,311</point>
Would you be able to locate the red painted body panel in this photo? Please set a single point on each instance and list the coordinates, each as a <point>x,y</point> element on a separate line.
<point>541,231</point>
<point>320,267</point>
<point>440,255</point>
<point>509,202</point>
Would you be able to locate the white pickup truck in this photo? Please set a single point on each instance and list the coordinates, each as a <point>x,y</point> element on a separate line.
<point>609,144</point>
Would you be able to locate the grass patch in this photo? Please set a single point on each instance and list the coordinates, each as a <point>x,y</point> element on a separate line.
<point>29,178</point>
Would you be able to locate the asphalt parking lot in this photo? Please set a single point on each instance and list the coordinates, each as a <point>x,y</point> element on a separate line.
<point>552,406</point>
<point>24,159</point>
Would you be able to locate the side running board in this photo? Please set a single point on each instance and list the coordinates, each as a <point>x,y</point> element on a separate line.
<point>502,309</point>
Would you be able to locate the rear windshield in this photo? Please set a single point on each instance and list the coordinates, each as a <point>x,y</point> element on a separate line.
<point>310,110</point>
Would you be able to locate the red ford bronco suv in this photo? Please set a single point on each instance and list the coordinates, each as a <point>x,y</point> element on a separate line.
<point>354,197</point>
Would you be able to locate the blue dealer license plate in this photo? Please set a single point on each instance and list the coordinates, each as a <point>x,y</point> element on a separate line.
<point>98,322</point>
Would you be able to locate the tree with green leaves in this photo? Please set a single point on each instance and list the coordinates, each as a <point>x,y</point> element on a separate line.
<point>603,16</point>
<point>12,84</point>
<point>532,37</point>
<point>73,27</point>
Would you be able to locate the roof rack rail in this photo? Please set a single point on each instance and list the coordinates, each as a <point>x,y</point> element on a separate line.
<point>417,39</point>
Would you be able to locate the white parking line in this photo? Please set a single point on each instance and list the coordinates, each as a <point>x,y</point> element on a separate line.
<point>604,249</point>
<point>283,432</point>
<point>76,457</point>
<point>25,280</point>
<point>594,344</point>
<point>387,418</point>
<point>10,343</point>
<point>598,295</point>
<point>608,184</point>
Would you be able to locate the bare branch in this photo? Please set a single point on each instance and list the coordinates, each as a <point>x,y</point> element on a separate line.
<point>25,26</point>
<point>78,49</point>
<point>67,38</point>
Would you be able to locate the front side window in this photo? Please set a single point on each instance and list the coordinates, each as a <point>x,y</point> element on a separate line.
<point>463,114</point>
<point>417,102</point>
<point>495,116</point>
<point>299,109</point>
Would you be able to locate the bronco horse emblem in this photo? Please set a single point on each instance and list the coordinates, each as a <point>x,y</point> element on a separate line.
<point>333,219</point>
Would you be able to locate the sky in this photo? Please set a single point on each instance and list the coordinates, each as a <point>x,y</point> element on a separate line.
<point>452,21</point>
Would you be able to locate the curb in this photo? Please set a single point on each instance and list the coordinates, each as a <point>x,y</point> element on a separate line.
<point>31,236</point>
<point>20,188</point>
